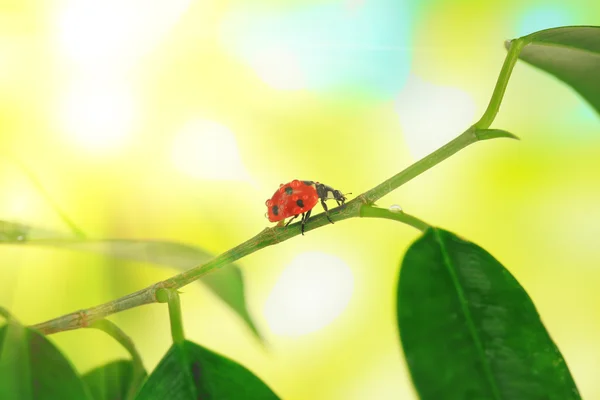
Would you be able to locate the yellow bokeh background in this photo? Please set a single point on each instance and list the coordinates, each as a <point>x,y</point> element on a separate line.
<point>94,97</point>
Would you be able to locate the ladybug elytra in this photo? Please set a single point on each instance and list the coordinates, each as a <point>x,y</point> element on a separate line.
<point>298,198</point>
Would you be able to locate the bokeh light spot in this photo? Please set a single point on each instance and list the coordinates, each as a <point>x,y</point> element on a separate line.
<point>432,115</point>
<point>17,206</point>
<point>91,31</point>
<point>208,150</point>
<point>111,33</point>
<point>279,68</point>
<point>311,292</point>
<point>335,45</point>
<point>98,115</point>
<point>537,19</point>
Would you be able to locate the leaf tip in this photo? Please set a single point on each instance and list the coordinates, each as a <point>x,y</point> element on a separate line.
<point>486,134</point>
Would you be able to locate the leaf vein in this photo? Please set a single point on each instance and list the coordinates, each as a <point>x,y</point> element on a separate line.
<point>467,313</point>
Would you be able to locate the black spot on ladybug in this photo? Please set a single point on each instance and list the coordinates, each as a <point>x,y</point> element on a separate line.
<point>289,190</point>
<point>308,183</point>
<point>300,203</point>
<point>275,210</point>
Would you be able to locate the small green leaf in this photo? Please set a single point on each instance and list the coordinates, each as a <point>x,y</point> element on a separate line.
<point>31,368</point>
<point>189,371</point>
<point>116,380</point>
<point>470,331</point>
<point>485,134</point>
<point>227,282</point>
<point>570,53</point>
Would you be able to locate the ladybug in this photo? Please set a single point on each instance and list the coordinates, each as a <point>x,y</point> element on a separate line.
<point>298,198</point>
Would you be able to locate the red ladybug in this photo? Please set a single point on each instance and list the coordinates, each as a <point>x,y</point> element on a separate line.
<point>299,197</point>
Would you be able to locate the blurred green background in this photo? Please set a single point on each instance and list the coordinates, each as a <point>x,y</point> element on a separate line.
<point>178,119</point>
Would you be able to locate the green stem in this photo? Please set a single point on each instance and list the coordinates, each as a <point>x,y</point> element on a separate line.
<point>171,297</point>
<point>377,212</point>
<point>466,138</point>
<point>4,313</point>
<point>268,237</point>
<point>494,106</point>
<point>116,333</point>
<point>271,236</point>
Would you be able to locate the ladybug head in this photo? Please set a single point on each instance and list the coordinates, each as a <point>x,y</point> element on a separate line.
<point>327,192</point>
<point>337,196</point>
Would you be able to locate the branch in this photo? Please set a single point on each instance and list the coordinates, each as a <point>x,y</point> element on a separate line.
<point>509,62</point>
<point>111,329</point>
<point>116,333</point>
<point>376,212</point>
<point>271,236</point>
<point>171,297</point>
<point>268,237</point>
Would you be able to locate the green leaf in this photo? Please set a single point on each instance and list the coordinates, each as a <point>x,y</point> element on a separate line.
<point>470,331</point>
<point>189,371</point>
<point>486,134</point>
<point>116,380</point>
<point>32,368</point>
<point>227,282</point>
<point>570,53</point>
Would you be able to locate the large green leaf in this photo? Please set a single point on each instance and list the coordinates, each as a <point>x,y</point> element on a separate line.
<point>570,53</point>
<point>189,371</point>
<point>31,368</point>
<point>470,331</point>
<point>117,380</point>
<point>227,282</point>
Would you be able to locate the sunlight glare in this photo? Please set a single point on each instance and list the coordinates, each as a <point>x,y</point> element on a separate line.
<point>324,46</point>
<point>17,206</point>
<point>103,34</point>
<point>97,114</point>
<point>311,292</point>
<point>208,150</point>
<point>279,68</point>
<point>91,31</point>
<point>432,115</point>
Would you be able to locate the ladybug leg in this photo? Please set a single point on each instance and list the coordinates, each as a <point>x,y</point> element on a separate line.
<point>326,210</point>
<point>305,217</point>
<point>291,219</point>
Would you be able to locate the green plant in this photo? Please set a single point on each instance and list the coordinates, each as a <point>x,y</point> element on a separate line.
<point>468,329</point>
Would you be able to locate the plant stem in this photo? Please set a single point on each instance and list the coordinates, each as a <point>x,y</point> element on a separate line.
<point>4,313</point>
<point>267,237</point>
<point>494,106</point>
<point>116,333</point>
<point>378,212</point>
<point>171,297</point>
<point>468,137</point>
<point>271,236</point>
